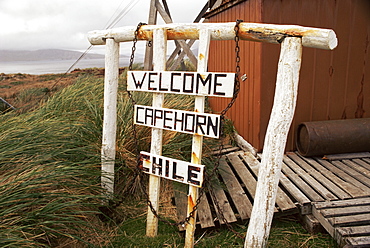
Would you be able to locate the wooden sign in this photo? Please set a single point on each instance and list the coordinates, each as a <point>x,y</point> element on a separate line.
<point>172,169</point>
<point>208,125</point>
<point>218,84</point>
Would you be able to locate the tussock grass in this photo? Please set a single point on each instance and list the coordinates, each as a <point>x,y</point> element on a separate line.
<point>50,165</point>
<point>50,194</point>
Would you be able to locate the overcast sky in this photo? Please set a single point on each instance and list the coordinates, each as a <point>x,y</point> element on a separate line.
<point>64,24</point>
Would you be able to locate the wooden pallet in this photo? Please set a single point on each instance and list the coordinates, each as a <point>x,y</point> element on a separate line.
<point>233,191</point>
<point>336,193</point>
<point>348,221</point>
<point>317,180</point>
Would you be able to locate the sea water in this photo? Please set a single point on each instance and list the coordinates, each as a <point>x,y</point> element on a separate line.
<point>52,66</point>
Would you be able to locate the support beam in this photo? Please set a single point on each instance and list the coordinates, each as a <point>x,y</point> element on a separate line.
<point>152,20</point>
<point>167,18</point>
<point>196,153</point>
<point>270,33</point>
<point>159,62</point>
<point>273,151</point>
<point>108,150</point>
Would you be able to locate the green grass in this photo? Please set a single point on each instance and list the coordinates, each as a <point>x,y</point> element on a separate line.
<point>50,194</point>
<point>284,234</point>
<point>17,82</point>
<point>50,165</point>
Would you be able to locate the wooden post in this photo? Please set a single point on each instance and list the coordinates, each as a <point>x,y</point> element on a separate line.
<point>108,150</point>
<point>196,155</point>
<point>159,61</point>
<point>275,141</point>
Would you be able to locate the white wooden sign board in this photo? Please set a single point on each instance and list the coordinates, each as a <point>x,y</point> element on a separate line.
<point>217,84</point>
<point>173,169</point>
<point>203,124</point>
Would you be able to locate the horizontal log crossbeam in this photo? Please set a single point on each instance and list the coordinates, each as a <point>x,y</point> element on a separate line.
<point>270,33</point>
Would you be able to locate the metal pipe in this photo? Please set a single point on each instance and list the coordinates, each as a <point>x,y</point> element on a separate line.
<point>333,137</point>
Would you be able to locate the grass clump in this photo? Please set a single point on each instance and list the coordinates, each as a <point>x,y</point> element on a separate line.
<point>50,166</point>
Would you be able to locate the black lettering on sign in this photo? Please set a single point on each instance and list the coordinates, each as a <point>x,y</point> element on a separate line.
<point>137,115</point>
<point>178,120</point>
<point>138,84</point>
<point>186,81</point>
<point>149,114</point>
<point>213,126</point>
<point>193,173</point>
<point>166,117</point>
<point>172,78</point>
<point>201,120</point>
<point>160,83</point>
<point>167,168</point>
<point>217,75</point>
<point>151,80</point>
<point>189,122</point>
<point>144,159</point>
<point>181,121</point>
<point>204,82</point>
<point>174,170</point>
<point>158,114</point>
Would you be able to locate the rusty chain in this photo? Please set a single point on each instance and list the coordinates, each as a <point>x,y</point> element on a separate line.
<point>221,147</point>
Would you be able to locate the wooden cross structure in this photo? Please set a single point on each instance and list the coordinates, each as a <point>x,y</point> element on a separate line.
<point>183,47</point>
<point>291,38</point>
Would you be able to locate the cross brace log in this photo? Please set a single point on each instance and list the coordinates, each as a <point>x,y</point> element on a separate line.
<point>270,33</point>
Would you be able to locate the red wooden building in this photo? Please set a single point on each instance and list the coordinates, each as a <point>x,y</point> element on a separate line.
<point>333,84</point>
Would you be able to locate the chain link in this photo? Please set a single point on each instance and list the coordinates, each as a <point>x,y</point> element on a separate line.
<point>206,183</point>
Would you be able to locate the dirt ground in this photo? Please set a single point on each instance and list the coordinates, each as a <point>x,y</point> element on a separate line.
<point>12,85</point>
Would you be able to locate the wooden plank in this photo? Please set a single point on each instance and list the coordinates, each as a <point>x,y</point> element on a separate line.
<point>358,168</point>
<point>224,205</point>
<point>343,175</point>
<point>354,173</point>
<point>304,187</point>
<point>282,200</point>
<point>344,203</point>
<point>367,160</point>
<point>347,156</point>
<point>324,192</point>
<point>241,201</point>
<point>360,242</point>
<point>348,187</point>
<point>204,213</point>
<point>319,177</point>
<point>360,219</point>
<point>345,211</point>
<point>181,202</point>
<point>253,163</point>
<point>324,222</point>
<point>354,230</point>
<point>245,175</point>
<point>362,163</point>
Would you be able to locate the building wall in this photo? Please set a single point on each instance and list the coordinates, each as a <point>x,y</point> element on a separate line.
<point>333,84</point>
<point>246,111</point>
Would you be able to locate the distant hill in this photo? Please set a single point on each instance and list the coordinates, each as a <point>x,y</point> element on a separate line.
<point>44,54</point>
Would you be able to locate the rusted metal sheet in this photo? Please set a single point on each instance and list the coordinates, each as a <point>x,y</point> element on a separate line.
<point>333,85</point>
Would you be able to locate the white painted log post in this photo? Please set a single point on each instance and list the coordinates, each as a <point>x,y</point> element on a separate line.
<point>108,150</point>
<point>275,141</point>
<point>159,64</point>
<point>261,32</point>
<point>197,143</point>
